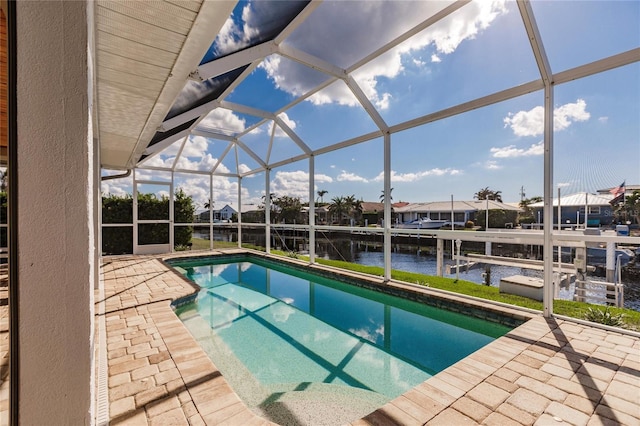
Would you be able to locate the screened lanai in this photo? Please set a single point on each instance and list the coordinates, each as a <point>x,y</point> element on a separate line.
<point>182,128</point>
<point>240,104</point>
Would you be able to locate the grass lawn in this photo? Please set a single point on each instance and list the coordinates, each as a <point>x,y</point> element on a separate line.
<point>202,244</point>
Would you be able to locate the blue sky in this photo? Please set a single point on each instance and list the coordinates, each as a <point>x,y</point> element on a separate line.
<point>478,50</point>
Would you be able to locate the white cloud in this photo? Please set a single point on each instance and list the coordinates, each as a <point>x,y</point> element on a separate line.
<point>194,156</point>
<point>492,165</point>
<point>526,123</point>
<point>118,187</point>
<point>564,115</point>
<point>204,163</point>
<point>531,123</point>
<point>232,37</point>
<point>350,177</point>
<point>435,58</point>
<point>196,147</point>
<point>511,151</point>
<point>295,183</point>
<point>603,119</point>
<point>390,19</point>
<point>413,177</point>
<point>224,191</point>
<point>418,63</point>
<point>195,186</point>
<point>224,121</point>
<point>159,161</point>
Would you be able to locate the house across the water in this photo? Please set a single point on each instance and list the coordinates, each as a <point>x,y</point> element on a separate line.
<point>599,211</point>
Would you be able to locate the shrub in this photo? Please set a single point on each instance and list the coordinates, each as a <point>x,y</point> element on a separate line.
<point>469,224</point>
<point>604,316</point>
<point>119,209</point>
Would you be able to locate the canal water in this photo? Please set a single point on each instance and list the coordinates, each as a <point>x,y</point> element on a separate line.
<point>421,260</point>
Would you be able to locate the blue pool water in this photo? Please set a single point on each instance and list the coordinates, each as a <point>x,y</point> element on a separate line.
<point>280,331</point>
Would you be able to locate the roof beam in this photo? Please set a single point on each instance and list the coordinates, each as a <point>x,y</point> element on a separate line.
<point>233,61</point>
<point>222,157</point>
<point>243,109</point>
<point>303,146</point>
<point>298,20</point>
<point>407,35</point>
<point>165,143</point>
<point>179,154</point>
<point>250,152</point>
<point>311,61</point>
<point>289,161</point>
<point>253,172</point>
<point>203,110</point>
<point>494,98</point>
<point>188,115</point>
<point>606,64</point>
<point>531,27</point>
<point>212,135</point>
<point>348,143</point>
<point>366,104</point>
<point>271,138</point>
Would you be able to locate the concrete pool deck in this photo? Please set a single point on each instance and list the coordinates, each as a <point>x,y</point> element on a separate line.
<point>547,371</point>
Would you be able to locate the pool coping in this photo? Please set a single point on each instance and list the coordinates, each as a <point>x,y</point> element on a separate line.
<point>543,369</point>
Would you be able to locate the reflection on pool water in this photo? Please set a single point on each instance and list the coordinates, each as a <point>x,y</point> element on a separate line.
<point>275,331</point>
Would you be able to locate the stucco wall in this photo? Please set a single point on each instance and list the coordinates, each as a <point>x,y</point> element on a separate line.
<point>56,213</point>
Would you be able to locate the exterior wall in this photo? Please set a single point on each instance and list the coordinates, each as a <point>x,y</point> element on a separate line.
<point>459,216</point>
<point>56,199</point>
<point>226,212</point>
<point>570,213</point>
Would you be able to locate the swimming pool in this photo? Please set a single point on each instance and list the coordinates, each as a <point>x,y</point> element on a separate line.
<point>290,342</point>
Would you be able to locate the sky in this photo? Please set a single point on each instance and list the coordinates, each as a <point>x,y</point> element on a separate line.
<point>476,51</point>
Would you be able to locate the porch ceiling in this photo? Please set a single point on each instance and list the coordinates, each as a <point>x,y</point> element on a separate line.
<point>144,54</point>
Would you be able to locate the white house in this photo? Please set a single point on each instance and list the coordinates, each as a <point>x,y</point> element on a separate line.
<point>463,211</point>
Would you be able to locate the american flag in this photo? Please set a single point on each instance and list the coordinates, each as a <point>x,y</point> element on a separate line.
<point>618,190</point>
<point>618,194</point>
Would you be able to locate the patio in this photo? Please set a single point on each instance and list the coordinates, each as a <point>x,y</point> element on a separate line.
<point>547,371</point>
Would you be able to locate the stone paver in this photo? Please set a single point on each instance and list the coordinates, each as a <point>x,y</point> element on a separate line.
<point>547,371</point>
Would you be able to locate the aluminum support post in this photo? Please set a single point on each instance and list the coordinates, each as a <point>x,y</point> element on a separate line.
<point>312,211</point>
<point>387,207</point>
<point>239,211</point>
<point>267,210</point>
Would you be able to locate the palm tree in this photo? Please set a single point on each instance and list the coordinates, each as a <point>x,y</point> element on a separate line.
<point>321,194</point>
<point>524,204</point>
<point>488,194</point>
<point>527,212</point>
<point>390,196</point>
<point>338,208</point>
<point>357,210</point>
<point>208,204</point>
<point>350,201</point>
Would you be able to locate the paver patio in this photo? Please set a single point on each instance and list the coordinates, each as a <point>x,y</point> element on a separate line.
<point>547,371</point>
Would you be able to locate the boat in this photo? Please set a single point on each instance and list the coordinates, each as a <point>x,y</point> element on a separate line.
<point>422,223</point>
<point>598,256</point>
